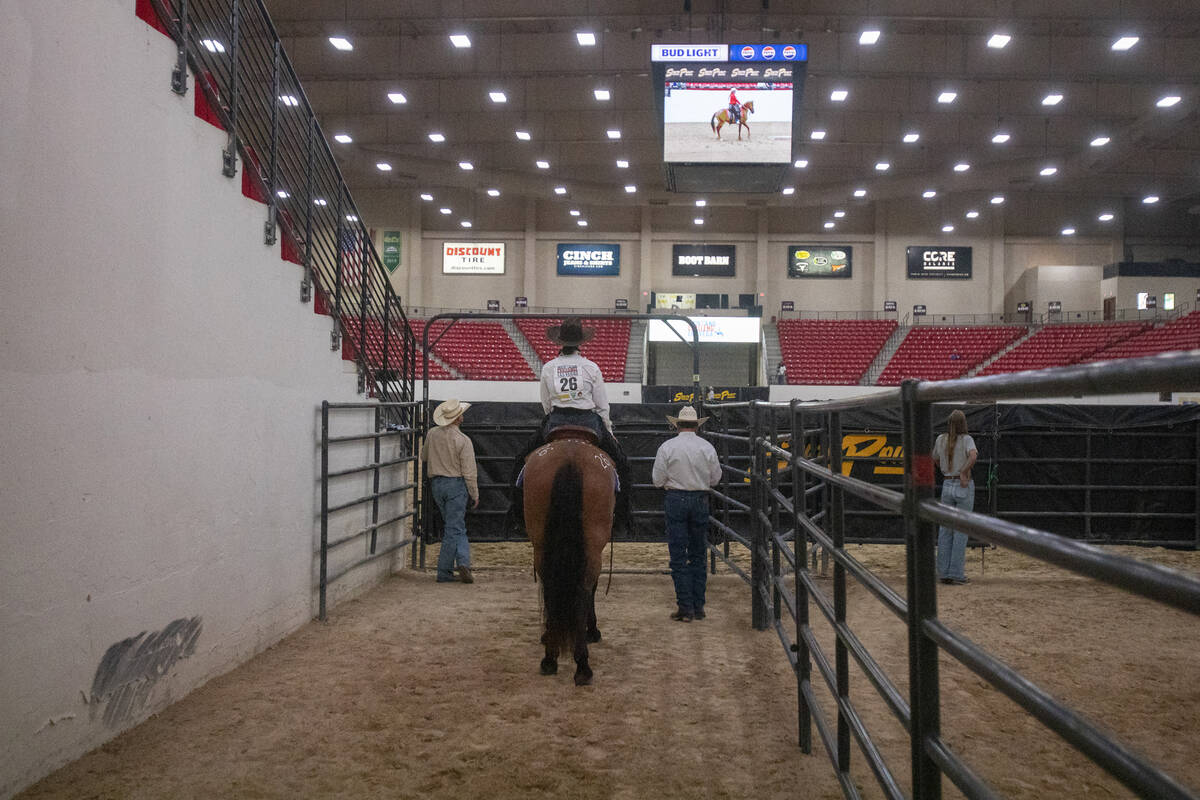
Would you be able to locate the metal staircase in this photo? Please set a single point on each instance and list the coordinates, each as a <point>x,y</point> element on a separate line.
<point>774,351</point>
<point>1029,332</point>
<point>633,356</point>
<point>885,355</point>
<point>523,345</point>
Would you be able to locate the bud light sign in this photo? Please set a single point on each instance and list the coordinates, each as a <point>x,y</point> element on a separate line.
<point>589,259</point>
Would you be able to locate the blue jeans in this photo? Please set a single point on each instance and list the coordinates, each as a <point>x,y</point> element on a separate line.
<point>450,494</point>
<point>687,544</point>
<point>952,545</point>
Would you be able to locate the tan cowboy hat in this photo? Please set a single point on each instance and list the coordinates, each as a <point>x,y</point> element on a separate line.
<point>447,412</point>
<point>570,334</point>
<point>687,414</point>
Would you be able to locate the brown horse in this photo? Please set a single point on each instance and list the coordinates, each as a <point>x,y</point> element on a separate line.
<point>721,119</point>
<point>568,486</point>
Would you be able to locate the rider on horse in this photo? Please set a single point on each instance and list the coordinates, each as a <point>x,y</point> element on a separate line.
<point>573,393</point>
<point>735,108</point>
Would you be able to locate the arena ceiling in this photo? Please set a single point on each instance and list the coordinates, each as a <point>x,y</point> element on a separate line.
<point>1110,142</point>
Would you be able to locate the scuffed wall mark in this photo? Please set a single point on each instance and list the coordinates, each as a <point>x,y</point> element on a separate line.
<point>131,667</point>
<point>50,723</point>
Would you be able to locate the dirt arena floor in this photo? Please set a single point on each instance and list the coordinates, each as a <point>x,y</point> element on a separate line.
<point>418,689</point>
<point>688,141</point>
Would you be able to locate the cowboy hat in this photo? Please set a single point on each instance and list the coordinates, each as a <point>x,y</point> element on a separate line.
<point>686,414</point>
<point>570,333</point>
<point>447,412</point>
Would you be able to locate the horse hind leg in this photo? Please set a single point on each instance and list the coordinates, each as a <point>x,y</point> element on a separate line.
<point>550,661</point>
<point>593,632</point>
<point>583,672</point>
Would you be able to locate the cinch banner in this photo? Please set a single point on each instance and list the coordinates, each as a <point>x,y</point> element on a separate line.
<point>589,259</point>
<point>938,261</point>
<point>391,250</point>
<point>805,261</point>
<point>472,258</point>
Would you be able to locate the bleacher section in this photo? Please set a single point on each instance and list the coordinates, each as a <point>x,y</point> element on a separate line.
<point>942,352</point>
<point>831,351</point>
<point>1059,345</point>
<point>480,351</point>
<point>1178,334</point>
<point>609,348</point>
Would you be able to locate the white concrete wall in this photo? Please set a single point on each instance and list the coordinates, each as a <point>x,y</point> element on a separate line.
<point>160,385</point>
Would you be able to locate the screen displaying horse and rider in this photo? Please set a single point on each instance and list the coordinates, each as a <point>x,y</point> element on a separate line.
<point>727,122</point>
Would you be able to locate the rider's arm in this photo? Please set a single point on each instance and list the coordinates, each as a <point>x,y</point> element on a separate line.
<point>545,390</point>
<point>600,398</point>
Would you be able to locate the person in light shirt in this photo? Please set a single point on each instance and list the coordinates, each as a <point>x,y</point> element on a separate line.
<point>685,466</point>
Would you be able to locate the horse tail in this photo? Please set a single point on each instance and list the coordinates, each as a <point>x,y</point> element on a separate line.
<point>564,559</point>
<point>713,122</point>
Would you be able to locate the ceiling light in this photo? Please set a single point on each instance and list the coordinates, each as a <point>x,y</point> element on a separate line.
<point>542,164</point>
<point>800,163</point>
<point>999,40</point>
<point>1168,100</point>
<point>574,212</point>
<point>585,38</point>
<point>427,197</point>
<point>972,214</point>
<point>1150,199</point>
<point>962,166</point>
<point>383,166</point>
<point>467,165</point>
<point>829,224</point>
<point>1124,43</point>
<point>1105,217</point>
<point>581,223</point>
<point>947,228</point>
<point>882,166</point>
<point>613,133</point>
<point>212,45</point>
<point>929,194</point>
<point>460,40</point>
<point>1052,99</point>
<point>282,195</point>
<point>602,94</point>
<point>289,100</point>
<point>997,199</point>
<point>523,135</point>
<point>498,97</point>
<point>397,97</point>
<point>1000,138</point>
<point>838,95</point>
<point>630,188</point>
<point>351,218</point>
<point>839,214</point>
<point>860,192</point>
<point>1100,141</point>
<point>493,192</point>
<point>817,135</point>
<point>344,138</point>
<point>437,137</point>
<point>1068,231</point>
<point>698,221</point>
<point>341,43</point>
<point>868,37</point>
<point>560,190</point>
<point>466,223</point>
<point>622,164</point>
<point>445,210</point>
<point>909,138</point>
<point>947,97</point>
<point>320,201</point>
<point>1048,171</point>
<point>789,190</point>
<point>701,203</point>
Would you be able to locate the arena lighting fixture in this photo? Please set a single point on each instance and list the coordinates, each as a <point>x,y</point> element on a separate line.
<point>320,201</point>
<point>817,135</point>
<point>1048,171</point>
<point>397,97</point>
<point>282,195</point>
<point>498,97</point>
<point>868,37</point>
<point>460,40</point>
<point>929,194</point>
<point>622,164</point>
<point>542,164</point>
<point>947,228</point>
<point>839,95</point>
<point>1124,43</point>
<point>1100,141</point>
<point>630,188</point>
<point>466,223</point>
<point>962,166</point>
<point>212,45</point>
<point>523,135</point>
<point>800,163</point>
<point>581,223</point>
<point>289,100</point>
<point>701,203</point>
<point>437,137</point>
<point>493,192</point>
<point>343,138</point>
<point>341,43</point>
<point>445,210</point>
<point>829,224</point>
<point>882,166</point>
<point>839,214</point>
<point>997,199</point>
<point>613,133</point>
<point>1168,100</point>
<point>427,197</point>
<point>1068,231</point>
<point>947,97</point>
<point>560,190</point>
<point>860,192</point>
<point>1000,138</point>
<point>602,94</point>
<point>585,38</point>
<point>1105,217</point>
<point>998,41</point>
<point>972,214</point>
<point>1150,199</point>
<point>466,165</point>
<point>911,137</point>
<point>789,190</point>
<point>351,218</point>
<point>1052,99</point>
<point>383,166</point>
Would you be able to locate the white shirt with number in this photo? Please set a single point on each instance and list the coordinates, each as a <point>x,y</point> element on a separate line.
<point>574,382</point>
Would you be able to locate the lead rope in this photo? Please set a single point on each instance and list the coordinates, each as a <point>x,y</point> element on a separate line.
<point>612,545</point>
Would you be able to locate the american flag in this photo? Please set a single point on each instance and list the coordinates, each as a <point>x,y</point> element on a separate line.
<point>352,261</point>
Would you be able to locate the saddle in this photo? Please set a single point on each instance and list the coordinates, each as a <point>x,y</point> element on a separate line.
<point>577,432</point>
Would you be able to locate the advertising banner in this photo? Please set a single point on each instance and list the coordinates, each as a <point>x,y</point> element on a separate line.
<point>919,311</point>
<point>712,394</point>
<point>889,305</point>
<point>589,259</point>
<point>711,329</point>
<point>472,258</point>
<point>621,304</point>
<point>520,302</point>
<point>937,261</point>
<point>787,305</point>
<point>391,250</point>
<point>493,305</point>
<point>807,261</point>
<point>703,260</point>
<point>674,300</point>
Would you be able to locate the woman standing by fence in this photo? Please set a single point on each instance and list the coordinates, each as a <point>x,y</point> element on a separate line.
<point>955,454</point>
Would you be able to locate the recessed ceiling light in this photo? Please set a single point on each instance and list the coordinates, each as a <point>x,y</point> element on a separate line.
<point>613,133</point>
<point>829,224</point>
<point>351,218</point>
<point>789,190</point>
<point>383,166</point>
<point>560,190</point>
<point>542,164</point>
<point>1068,231</point>
<point>585,38</point>
<point>602,94</point>
<point>282,195</point>
<point>947,228</point>
<point>445,210</point>
<point>581,223</point>
<point>344,138</point>
<point>962,166</point>
<point>800,163</point>
<point>498,97</point>
<point>997,199</point>
<point>437,137</point>
<point>1105,217</point>
<point>397,97</point>
<point>493,192</point>
<point>698,221</point>
<point>868,37</point>
<point>972,214</point>
<point>320,201</point>
<point>1052,99</point>
<point>911,137</point>
<point>467,165</point>
<point>574,212</point>
<point>1168,100</point>
<point>701,203</point>
<point>523,135</point>
<point>466,223</point>
<point>947,97</point>
<point>860,192</point>
<point>289,100</point>
<point>1100,141</point>
<point>460,40</point>
<point>839,214</point>
<point>817,135</point>
<point>1124,43</point>
<point>630,188</point>
<point>882,166</point>
<point>341,43</point>
<point>838,95</point>
<point>427,197</point>
<point>929,194</point>
<point>1150,199</point>
<point>999,40</point>
<point>622,164</point>
<point>1000,138</point>
<point>212,45</point>
<point>1048,171</point>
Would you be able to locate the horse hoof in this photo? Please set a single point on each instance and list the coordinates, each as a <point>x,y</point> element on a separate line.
<point>583,679</point>
<point>549,667</point>
<point>593,635</point>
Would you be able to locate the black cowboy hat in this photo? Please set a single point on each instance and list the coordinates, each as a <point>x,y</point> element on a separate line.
<point>570,334</point>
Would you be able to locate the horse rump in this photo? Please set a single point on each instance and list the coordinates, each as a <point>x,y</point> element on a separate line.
<point>564,558</point>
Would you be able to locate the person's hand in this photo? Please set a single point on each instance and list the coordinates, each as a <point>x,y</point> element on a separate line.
<point>964,480</point>
<point>475,502</point>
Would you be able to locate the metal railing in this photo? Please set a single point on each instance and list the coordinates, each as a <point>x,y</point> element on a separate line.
<point>784,528</point>
<point>235,55</point>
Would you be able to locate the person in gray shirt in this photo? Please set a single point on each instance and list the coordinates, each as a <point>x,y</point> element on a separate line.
<point>955,454</point>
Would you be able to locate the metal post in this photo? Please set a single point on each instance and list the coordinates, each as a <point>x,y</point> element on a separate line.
<point>363,353</point>
<point>229,154</point>
<point>272,168</point>
<point>758,608</point>
<point>335,336</point>
<point>306,283</point>
<point>387,318</point>
<point>836,510</point>
<point>922,598</point>
<point>179,74</point>
<point>773,504</point>
<point>800,550</point>
<point>324,502</point>
<point>1196,508</point>
<point>1087,485</point>
<point>375,481</point>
